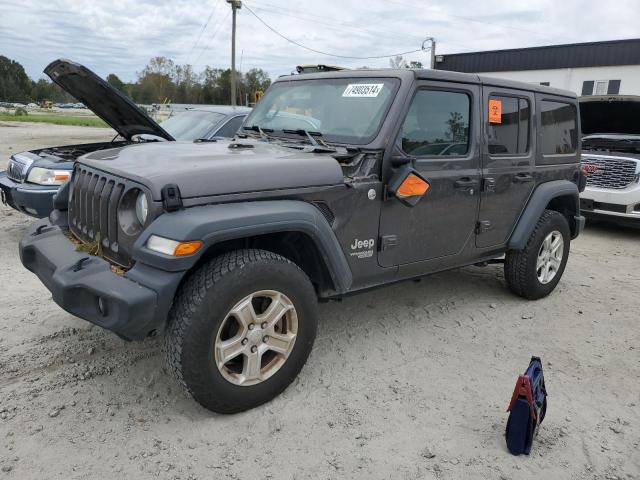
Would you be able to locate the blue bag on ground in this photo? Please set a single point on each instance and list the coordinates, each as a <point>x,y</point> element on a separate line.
<point>527,408</point>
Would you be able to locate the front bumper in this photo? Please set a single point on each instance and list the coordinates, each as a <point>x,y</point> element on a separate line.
<point>132,305</point>
<point>616,205</point>
<point>34,200</point>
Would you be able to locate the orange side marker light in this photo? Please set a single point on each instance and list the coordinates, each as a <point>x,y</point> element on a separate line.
<point>187,248</point>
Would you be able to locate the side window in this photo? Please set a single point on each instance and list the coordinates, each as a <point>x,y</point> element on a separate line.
<point>437,124</point>
<point>230,128</point>
<point>508,133</point>
<point>559,125</point>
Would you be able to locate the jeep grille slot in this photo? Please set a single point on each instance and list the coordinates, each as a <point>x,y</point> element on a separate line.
<point>93,212</point>
<point>609,172</point>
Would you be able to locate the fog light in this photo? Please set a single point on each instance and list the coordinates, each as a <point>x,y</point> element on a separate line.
<point>102,306</point>
<point>636,208</point>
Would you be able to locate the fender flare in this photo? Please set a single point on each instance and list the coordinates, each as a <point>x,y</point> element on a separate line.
<point>213,224</point>
<point>541,197</point>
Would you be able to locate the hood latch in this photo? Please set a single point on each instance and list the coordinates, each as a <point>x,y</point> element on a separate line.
<point>171,199</point>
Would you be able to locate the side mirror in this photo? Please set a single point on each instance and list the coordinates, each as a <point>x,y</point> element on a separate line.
<point>400,160</point>
<point>408,186</point>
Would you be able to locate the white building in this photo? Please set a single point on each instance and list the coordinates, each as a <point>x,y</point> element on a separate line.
<point>596,68</point>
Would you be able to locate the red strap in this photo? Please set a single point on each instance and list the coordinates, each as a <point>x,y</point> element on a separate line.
<point>523,389</point>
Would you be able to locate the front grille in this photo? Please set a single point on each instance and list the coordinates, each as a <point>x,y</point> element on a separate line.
<point>610,172</point>
<point>17,171</point>
<point>93,212</point>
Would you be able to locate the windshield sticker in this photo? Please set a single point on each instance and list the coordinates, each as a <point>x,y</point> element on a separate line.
<point>363,90</point>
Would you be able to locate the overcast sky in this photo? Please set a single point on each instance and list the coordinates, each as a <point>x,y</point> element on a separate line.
<point>119,36</point>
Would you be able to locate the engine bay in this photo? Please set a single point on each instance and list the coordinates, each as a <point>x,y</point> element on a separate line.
<point>70,153</point>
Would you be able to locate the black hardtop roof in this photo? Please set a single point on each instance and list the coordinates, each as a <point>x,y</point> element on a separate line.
<point>407,74</point>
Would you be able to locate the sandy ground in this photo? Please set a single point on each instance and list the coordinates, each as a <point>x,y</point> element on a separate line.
<point>410,381</point>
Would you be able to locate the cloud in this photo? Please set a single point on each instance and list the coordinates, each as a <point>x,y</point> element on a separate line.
<point>120,37</point>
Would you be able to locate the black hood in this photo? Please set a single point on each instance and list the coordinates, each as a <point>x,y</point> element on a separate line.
<point>610,114</point>
<point>105,101</point>
<point>214,168</point>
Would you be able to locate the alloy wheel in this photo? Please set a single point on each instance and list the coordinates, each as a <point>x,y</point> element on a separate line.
<point>256,337</point>
<point>550,257</point>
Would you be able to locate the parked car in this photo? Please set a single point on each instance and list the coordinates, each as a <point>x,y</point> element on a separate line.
<point>611,158</point>
<point>205,123</point>
<point>226,247</point>
<point>32,178</point>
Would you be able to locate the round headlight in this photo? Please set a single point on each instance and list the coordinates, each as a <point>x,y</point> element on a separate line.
<point>142,208</point>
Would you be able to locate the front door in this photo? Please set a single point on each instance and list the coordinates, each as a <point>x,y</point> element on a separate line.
<point>507,162</point>
<point>440,138</point>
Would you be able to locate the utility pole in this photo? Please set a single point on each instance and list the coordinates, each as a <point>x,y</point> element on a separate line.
<point>433,53</point>
<point>235,5</point>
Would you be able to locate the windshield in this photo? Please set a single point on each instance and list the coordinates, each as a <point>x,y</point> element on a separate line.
<point>348,110</point>
<point>191,125</point>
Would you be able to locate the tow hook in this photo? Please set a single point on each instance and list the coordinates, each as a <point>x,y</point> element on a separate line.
<point>42,229</point>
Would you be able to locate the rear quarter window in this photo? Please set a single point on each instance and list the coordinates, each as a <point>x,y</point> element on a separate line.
<point>558,128</point>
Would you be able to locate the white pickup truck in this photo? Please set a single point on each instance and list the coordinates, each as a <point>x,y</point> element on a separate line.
<point>611,157</point>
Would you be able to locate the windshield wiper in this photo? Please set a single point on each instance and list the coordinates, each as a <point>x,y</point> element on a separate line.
<point>307,133</point>
<point>317,146</point>
<point>200,140</point>
<point>259,129</point>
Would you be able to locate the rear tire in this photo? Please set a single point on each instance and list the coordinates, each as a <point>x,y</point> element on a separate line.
<point>220,343</point>
<point>535,271</point>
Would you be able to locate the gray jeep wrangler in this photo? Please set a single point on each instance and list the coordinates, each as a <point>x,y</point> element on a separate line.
<point>337,182</point>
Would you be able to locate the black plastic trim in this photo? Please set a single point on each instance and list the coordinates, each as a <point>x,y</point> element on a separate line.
<point>217,223</point>
<point>541,197</point>
<point>132,305</point>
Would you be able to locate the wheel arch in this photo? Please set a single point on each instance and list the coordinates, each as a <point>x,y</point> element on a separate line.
<point>559,195</point>
<point>297,246</point>
<point>291,228</point>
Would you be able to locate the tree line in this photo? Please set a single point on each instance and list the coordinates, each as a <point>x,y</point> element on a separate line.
<point>161,81</point>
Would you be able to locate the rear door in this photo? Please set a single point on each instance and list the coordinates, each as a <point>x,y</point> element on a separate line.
<point>439,137</point>
<point>508,162</point>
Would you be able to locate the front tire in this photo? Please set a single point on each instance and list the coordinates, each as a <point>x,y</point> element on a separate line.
<point>535,271</point>
<point>241,328</point>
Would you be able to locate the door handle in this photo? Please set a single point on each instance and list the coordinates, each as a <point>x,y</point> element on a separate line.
<point>465,182</point>
<point>522,178</point>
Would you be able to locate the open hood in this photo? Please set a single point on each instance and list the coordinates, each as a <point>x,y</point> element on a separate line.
<point>104,100</point>
<point>610,114</point>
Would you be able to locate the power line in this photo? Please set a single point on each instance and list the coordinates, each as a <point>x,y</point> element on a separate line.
<point>320,51</point>
<point>335,24</point>
<point>204,27</point>
<point>329,22</point>
<point>213,36</point>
